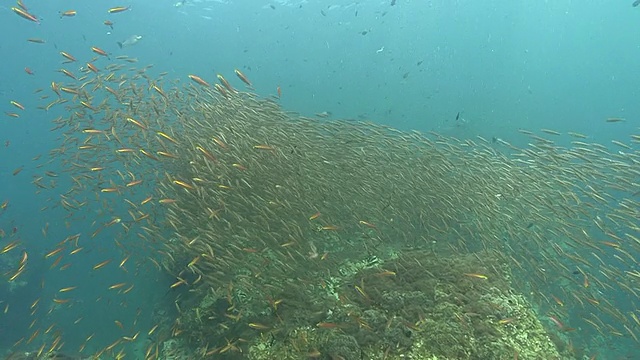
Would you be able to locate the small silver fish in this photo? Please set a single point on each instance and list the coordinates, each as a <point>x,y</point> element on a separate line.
<point>132,40</point>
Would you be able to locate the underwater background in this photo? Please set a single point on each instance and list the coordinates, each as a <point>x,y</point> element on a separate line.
<point>312,179</point>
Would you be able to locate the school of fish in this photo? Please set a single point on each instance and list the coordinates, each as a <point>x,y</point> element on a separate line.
<point>238,199</point>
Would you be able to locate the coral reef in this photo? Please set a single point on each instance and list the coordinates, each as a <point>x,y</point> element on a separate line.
<point>414,305</point>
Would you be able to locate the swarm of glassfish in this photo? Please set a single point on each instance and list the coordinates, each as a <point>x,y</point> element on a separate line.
<point>237,196</point>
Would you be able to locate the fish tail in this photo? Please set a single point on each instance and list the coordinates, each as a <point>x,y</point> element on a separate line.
<point>120,44</point>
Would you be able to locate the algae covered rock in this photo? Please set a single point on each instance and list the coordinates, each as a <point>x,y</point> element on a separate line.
<point>428,307</point>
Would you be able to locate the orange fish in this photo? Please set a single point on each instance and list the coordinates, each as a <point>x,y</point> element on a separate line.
<point>68,73</point>
<point>99,51</point>
<point>558,301</point>
<point>242,77</point>
<point>134,183</point>
<point>477,276</point>
<point>68,13</point>
<point>368,224</point>
<point>102,264</point>
<point>222,90</point>
<point>67,56</point>
<point>17,104</point>
<point>327,325</point>
<point>22,5</point>
<point>226,84</point>
<point>53,252</point>
<point>29,71</point>
<point>92,67</point>
<point>167,137</point>
<point>118,9</point>
<point>199,80</point>
<point>55,88</point>
<point>108,23</point>
<point>24,14</point>
<point>10,246</point>
<point>117,286</point>
<point>263,147</point>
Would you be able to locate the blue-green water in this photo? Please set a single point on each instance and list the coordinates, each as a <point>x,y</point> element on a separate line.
<point>460,68</point>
